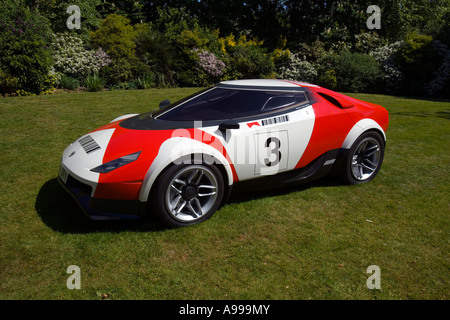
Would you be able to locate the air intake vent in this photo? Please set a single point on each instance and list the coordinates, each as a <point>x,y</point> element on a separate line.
<point>89,145</point>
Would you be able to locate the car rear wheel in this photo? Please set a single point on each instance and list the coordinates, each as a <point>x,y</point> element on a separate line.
<point>188,194</point>
<point>364,159</point>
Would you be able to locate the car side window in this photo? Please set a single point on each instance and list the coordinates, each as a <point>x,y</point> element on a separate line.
<point>284,101</point>
<point>220,104</point>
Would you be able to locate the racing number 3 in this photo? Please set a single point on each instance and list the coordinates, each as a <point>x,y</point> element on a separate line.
<point>275,150</point>
<point>272,152</point>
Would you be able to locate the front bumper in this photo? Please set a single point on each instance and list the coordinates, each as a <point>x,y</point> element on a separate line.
<point>99,209</point>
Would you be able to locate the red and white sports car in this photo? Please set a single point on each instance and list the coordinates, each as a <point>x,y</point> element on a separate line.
<point>181,161</point>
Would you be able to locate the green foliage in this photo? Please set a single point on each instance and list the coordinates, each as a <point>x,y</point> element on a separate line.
<point>145,82</point>
<point>180,43</point>
<point>418,60</point>
<point>157,54</point>
<point>131,9</point>
<point>328,80</point>
<point>8,83</point>
<point>385,56</point>
<point>415,48</point>
<point>94,83</point>
<point>24,46</point>
<point>423,15</point>
<point>174,58</point>
<point>356,72</point>
<point>312,52</point>
<point>366,42</point>
<point>69,83</point>
<point>246,58</point>
<point>116,37</point>
<point>56,12</point>
<point>173,21</point>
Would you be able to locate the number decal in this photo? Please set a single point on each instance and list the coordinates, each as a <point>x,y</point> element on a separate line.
<point>274,151</point>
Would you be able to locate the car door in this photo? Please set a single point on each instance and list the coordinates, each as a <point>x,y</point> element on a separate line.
<point>269,145</point>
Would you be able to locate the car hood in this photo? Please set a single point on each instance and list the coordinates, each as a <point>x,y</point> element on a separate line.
<point>146,121</point>
<point>125,141</point>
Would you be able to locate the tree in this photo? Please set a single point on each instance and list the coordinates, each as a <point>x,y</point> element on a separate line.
<point>56,12</point>
<point>131,9</point>
<point>116,37</point>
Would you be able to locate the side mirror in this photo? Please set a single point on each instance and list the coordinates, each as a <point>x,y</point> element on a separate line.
<point>229,124</point>
<point>164,104</point>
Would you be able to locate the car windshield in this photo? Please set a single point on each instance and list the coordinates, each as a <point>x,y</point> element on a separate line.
<point>225,103</point>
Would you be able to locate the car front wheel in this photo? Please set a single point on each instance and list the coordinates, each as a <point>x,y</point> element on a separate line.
<point>364,159</point>
<point>188,194</point>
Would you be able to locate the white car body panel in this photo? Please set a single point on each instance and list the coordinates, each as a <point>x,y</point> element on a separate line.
<point>79,163</point>
<point>171,151</point>
<point>359,128</point>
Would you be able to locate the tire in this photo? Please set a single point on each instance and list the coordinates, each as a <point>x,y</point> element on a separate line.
<point>187,194</point>
<point>364,159</point>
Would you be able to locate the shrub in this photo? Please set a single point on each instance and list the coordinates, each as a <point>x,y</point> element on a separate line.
<point>55,11</point>
<point>356,72</point>
<point>366,42</point>
<point>72,58</point>
<point>418,60</point>
<point>209,63</point>
<point>145,82</point>
<point>94,83</point>
<point>120,70</point>
<point>8,83</point>
<point>116,37</point>
<point>298,69</point>
<point>280,57</point>
<point>69,83</point>
<point>312,52</point>
<point>440,85</point>
<point>25,46</point>
<point>391,73</point>
<point>246,58</point>
<point>173,21</point>
<point>328,80</point>
<point>156,54</point>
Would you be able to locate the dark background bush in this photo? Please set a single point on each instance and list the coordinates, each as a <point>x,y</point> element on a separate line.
<point>356,72</point>
<point>157,41</point>
<point>25,38</point>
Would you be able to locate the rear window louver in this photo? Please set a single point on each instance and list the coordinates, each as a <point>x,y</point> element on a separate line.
<point>89,145</point>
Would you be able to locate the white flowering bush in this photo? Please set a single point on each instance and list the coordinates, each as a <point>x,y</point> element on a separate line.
<point>298,69</point>
<point>71,57</point>
<point>384,55</point>
<point>442,74</point>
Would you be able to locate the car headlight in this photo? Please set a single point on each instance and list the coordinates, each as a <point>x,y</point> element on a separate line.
<point>117,163</point>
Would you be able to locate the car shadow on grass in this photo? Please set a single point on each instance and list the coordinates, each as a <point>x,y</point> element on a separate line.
<point>243,194</point>
<point>59,211</point>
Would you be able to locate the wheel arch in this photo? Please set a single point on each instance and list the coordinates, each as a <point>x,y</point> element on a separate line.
<point>174,151</point>
<point>361,127</point>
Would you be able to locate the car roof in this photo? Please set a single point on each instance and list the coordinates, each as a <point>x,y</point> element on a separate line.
<point>276,84</point>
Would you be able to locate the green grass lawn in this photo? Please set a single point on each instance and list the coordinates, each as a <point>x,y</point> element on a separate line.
<point>310,242</point>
